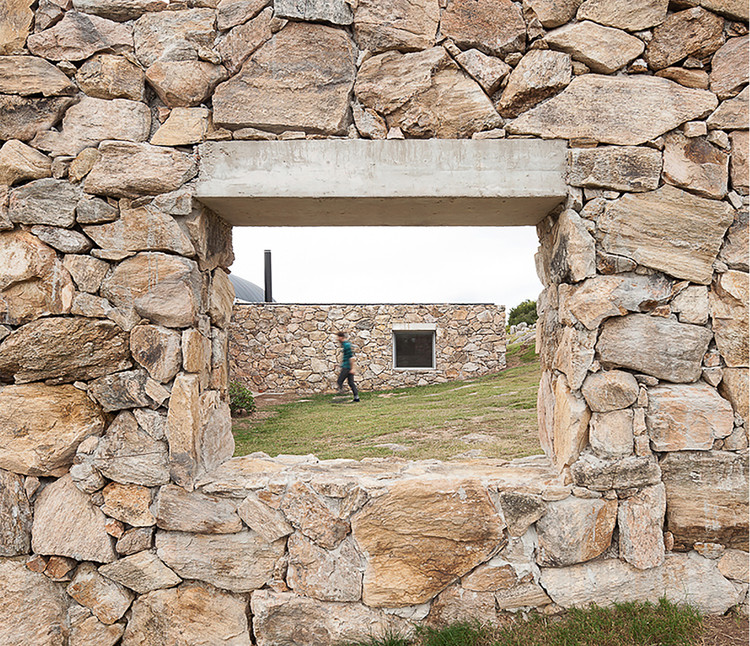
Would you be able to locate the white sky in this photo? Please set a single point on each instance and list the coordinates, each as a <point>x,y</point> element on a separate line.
<point>392,264</point>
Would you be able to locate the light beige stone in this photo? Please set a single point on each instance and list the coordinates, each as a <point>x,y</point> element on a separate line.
<point>121,390</point>
<point>196,351</point>
<point>425,94</point>
<point>64,240</point>
<point>157,349</point>
<point>33,608</point>
<point>184,126</point>
<point>496,28</point>
<point>135,540</point>
<point>230,13</point>
<point>396,24</point>
<point>418,537</point>
<point>66,523</point>
<point>107,599</point>
<point>707,495</point>
<point>183,425</point>
<point>87,630</point>
<point>161,287</point>
<point>33,282</point>
<point>215,439</point>
<point>184,83</point>
<point>128,503</point>
<point>49,348</point>
<point>335,12</point>
<point>553,13</point>
<point>19,162</point>
<point>523,595</point>
<point>728,69</point>
<point>306,511</point>
<point>142,572</point>
<point>732,113</point>
<point>23,117</point>
<point>687,417</point>
<point>660,347</point>
<point>618,168</point>
<point>178,510</point>
<point>687,77</point>
<point>694,164</point>
<point>603,475</point>
<point>192,613</point>
<point>644,227</point>
<point>457,604</point>
<point>602,49</point>
<point>44,201</point>
<point>734,565</point>
<point>334,575</point>
<point>319,63</point>
<point>15,25</point>
<point>734,387</point>
<point>119,9</point>
<point>633,16</point>
<point>488,71</point>
<point>244,39</point>
<point>106,76</point>
<point>575,530</point>
<point>287,618</point>
<point>572,257</point>
<point>132,170</point>
<point>221,300</point>
<point>15,531</point>
<point>27,75</point>
<point>496,574</point>
<point>740,175</point>
<point>539,75</point>
<point>129,455</point>
<point>173,35</point>
<point>93,210</point>
<point>82,164</point>
<point>682,578</point>
<point>610,390</point>
<point>611,434</point>
<point>691,304</point>
<point>574,355</point>
<point>615,110</point>
<point>520,511</point>
<point>640,518</point>
<point>692,32</point>
<point>266,521</point>
<point>728,304</point>
<point>79,36</point>
<point>238,562</point>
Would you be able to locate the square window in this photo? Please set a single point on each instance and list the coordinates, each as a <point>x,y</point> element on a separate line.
<point>414,349</point>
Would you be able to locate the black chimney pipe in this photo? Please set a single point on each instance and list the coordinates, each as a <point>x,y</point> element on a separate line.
<point>268,291</point>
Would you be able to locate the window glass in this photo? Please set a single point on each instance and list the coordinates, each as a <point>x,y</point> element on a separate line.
<point>414,349</point>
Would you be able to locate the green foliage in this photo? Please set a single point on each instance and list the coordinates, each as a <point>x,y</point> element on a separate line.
<point>524,312</point>
<point>240,398</point>
<point>389,639</point>
<point>460,634</point>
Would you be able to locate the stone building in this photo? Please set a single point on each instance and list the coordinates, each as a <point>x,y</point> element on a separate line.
<point>292,347</point>
<point>135,134</point>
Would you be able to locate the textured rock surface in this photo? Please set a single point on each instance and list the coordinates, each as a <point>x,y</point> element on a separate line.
<point>19,162</point>
<point>184,83</point>
<point>425,94</point>
<point>610,390</point>
<point>396,24</point>
<point>158,350</point>
<point>318,64</point>
<point>644,227</point>
<point>244,39</point>
<point>66,523</point>
<point>41,427</point>
<point>265,520</point>
<point>106,76</point>
<point>107,599</point>
<point>417,540</point>
<point>683,578</point>
<point>619,168</point>
<point>128,503</point>
<point>336,12</point>
<point>687,417</point>
<point>307,512</point>
<point>176,509</point>
<point>173,35</point>
<point>26,75</point>
<point>50,348</point>
<point>23,117</point>
<point>334,575</point>
<point>734,386</point>
<point>728,70</point>
<point>575,530</point>
<point>142,572</point>
<point>15,509</point>
<point>238,562</point>
<point>640,519</point>
<point>87,630</point>
<point>45,201</point>
<point>33,609</point>
<point>192,613</point>
<point>611,434</point>
<point>15,25</point>
<point>706,497</point>
<point>539,75</point>
<point>495,28</point>
<point>615,110</point>
<point>603,475</point>
<point>728,304</point>
<point>633,16</point>
<point>694,164</point>
<point>668,350</point>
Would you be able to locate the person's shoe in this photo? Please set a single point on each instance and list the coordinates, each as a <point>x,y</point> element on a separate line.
<point>355,401</point>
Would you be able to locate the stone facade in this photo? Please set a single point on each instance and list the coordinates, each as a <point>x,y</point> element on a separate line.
<point>292,348</point>
<point>128,522</point>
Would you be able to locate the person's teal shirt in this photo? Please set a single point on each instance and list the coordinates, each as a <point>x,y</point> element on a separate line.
<point>346,364</point>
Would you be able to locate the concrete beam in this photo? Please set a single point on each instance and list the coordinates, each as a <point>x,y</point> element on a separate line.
<point>438,182</point>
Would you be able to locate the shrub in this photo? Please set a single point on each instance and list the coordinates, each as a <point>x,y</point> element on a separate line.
<point>240,398</point>
<point>524,312</point>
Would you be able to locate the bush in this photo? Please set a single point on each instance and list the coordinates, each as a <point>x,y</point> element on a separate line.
<point>524,312</point>
<point>240,399</point>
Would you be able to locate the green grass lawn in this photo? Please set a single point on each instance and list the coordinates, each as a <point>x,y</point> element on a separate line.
<point>492,416</point>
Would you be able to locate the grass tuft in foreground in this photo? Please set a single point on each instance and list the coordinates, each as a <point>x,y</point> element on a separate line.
<point>622,624</point>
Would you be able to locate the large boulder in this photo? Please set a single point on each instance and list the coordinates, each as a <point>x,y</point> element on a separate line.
<point>615,109</point>
<point>41,427</point>
<point>318,65</point>
<point>668,230</point>
<point>425,94</point>
<point>64,349</point>
<point>422,534</point>
<point>66,523</point>
<point>707,497</point>
<point>396,24</point>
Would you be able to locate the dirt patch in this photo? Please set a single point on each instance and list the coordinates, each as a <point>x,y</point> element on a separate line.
<point>730,630</point>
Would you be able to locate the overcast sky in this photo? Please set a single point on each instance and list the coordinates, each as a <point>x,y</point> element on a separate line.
<point>392,264</point>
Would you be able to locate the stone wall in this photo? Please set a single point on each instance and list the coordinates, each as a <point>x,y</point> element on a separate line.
<point>114,304</point>
<point>293,348</point>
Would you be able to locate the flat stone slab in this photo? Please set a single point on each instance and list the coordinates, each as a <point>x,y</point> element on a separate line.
<point>376,183</point>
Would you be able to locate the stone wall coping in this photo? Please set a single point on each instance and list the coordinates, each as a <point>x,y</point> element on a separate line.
<point>416,327</point>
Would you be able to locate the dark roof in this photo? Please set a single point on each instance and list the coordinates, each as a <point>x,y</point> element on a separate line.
<point>246,291</point>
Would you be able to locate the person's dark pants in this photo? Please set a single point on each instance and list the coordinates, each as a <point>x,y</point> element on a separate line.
<point>346,374</point>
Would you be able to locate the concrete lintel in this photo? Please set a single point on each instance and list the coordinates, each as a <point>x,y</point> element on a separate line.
<point>438,182</point>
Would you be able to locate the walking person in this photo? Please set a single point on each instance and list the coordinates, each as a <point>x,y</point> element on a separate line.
<point>347,367</point>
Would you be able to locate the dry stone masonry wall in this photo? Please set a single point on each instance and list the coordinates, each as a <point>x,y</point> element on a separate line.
<point>124,522</point>
<point>293,348</point>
